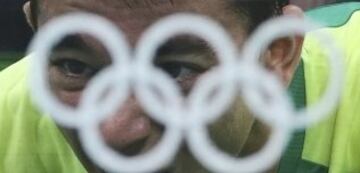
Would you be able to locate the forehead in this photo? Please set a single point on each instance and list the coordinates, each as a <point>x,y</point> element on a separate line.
<point>124,7</point>
<point>134,16</point>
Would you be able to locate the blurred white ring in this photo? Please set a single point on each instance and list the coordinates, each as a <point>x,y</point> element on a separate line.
<point>282,27</point>
<point>50,35</point>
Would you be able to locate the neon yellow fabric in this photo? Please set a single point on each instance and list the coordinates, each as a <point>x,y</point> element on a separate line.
<point>29,143</point>
<point>336,142</point>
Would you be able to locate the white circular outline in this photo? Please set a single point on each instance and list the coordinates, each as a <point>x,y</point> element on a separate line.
<point>203,87</point>
<point>211,157</point>
<point>116,97</point>
<point>43,43</point>
<point>179,24</point>
<point>269,84</point>
<point>94,145</point>
<point>270,31</point>
<point>156,158</point>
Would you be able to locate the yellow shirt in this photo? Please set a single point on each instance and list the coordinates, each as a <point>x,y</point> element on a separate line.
<point>335,143</point>
<point>29,142</point>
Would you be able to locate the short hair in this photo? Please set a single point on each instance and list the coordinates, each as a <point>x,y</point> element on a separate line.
<point>257,11</point>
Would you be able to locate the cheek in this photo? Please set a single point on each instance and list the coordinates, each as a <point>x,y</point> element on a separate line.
<point>128,130</point>
<point>231,132</point>
<point>68,93</point>
<point>69,98</point>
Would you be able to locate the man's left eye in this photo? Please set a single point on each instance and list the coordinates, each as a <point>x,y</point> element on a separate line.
<point>181,71</point>
<point>185,74</point>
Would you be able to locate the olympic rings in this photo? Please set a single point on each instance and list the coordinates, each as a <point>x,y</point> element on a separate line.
<point>188,122</point>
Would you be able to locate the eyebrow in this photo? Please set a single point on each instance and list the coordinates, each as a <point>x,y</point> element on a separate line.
<point>77,45</point>
<point>181,46</point>
<point>146,3</point>
<point>70,42</point>
<point>129,4</point>
<point>184,45</point>
<point>176,45</point>
<point>187,49</point>
<point>78,42</point>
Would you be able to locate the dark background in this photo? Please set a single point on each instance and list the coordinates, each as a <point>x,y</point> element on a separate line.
<point>15,33</point>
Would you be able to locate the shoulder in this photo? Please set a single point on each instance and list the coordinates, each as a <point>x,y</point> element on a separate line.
<point>346,35</point>
<point>333,143</point>
<point>29,141</point>
<point>13,90</point>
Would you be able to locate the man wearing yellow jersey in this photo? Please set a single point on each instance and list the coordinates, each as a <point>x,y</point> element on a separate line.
<point>30,142</point>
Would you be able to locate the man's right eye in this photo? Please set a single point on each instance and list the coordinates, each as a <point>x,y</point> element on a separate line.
<point>75,69</point>
<point>70,74</point>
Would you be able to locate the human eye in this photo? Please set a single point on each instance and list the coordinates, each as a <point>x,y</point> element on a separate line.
<point>71,72</point>
<point>184,73</point>
<point>181,70</point>
<point>74,69</point>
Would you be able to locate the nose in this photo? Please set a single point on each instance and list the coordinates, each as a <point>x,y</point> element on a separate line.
<point>128,129</point>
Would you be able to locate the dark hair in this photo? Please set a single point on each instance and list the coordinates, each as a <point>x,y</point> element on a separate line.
<point>258,11</point>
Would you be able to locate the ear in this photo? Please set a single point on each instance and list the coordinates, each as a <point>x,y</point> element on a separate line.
<point>283,55</point>
<point>29,14</point>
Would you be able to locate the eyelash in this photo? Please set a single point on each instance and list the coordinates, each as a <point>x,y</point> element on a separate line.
<point>167,67</point>
<point>184,73</point>
<point>70,74</point>
<point>68,67</point>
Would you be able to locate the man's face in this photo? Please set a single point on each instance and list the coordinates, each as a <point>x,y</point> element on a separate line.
<point>185,58</point>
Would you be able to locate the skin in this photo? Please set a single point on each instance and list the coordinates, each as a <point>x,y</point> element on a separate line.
<point>130,130</point>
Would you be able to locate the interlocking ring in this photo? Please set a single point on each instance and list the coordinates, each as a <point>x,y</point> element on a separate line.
<point>168,109</point>
<point>50,35</point>
<point>270,31</point>
<point>217,161</point>
<point>176,25</point>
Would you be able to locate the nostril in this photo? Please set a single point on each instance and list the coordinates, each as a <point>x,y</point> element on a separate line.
<point>134,148</point>
<point>147,135</point>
